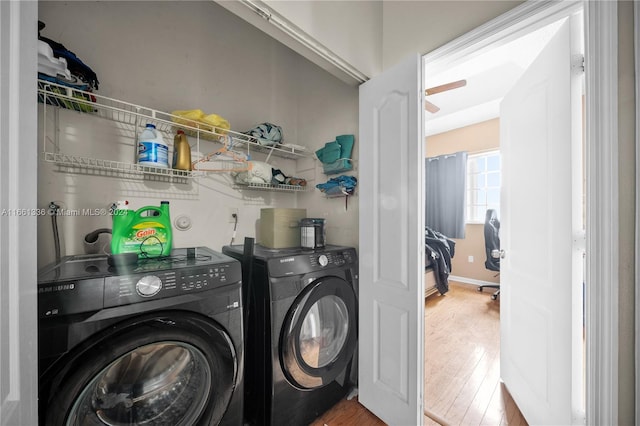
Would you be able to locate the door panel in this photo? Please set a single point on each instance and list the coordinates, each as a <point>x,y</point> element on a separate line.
<point>391,245</point>
<point>536,273</point>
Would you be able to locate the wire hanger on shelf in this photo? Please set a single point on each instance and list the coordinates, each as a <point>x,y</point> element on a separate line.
<point>224,159</point>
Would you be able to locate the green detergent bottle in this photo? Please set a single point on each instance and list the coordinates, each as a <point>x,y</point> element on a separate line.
<point>147,235</point>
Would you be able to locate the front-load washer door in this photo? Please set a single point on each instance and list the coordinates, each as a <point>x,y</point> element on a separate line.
<point>162,371</point>
<point>319,333</point>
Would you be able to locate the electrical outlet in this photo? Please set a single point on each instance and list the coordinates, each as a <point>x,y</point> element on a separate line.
<point>470,259</point>
<point>230,212</point>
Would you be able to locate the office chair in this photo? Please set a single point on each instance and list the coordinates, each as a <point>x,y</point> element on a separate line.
<point>492,248</point>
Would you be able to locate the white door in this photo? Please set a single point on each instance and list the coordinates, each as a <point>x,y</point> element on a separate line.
<point>537,140</point>
<point>18,191</point>
<point>391,300</point>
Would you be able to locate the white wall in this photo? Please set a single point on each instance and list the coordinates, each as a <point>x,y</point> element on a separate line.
<point>351,29</point>
<point>375,35</point>
<point>188,55</point>
<point>410,27</point>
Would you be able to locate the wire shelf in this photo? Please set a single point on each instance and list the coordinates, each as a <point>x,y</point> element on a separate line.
<point>338,192</point>
<point>220,166</point>
<point>123,112</point>
<point>270,187</point>
<point>82,163</point>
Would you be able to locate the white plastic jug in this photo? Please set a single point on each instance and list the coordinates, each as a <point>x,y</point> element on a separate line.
<point>152,149</point>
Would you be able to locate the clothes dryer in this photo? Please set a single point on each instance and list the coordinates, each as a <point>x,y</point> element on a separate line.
<point>302,332</point>
<point>158,342</point>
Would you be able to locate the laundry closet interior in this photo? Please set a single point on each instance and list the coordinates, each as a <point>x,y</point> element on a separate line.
<point>167,67</point>
<point>185,56</point>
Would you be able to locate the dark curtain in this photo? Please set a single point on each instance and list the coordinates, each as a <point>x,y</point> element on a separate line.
<point>445,186</point>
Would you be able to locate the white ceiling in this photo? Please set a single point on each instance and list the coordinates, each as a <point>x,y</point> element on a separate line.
<point>489,77</point>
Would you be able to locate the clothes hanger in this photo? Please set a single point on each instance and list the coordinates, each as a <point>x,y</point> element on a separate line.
<point>224,159</point>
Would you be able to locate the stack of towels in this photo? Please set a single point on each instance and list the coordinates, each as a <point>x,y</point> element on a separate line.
<point>336,155</point>
<point>336,158</point>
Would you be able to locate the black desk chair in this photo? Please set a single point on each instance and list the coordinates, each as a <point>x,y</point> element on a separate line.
<point>492,248</point>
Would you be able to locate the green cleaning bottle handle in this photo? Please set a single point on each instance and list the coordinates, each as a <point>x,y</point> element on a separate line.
<point>148,208</point>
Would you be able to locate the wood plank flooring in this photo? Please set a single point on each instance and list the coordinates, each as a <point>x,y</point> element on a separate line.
<point>462,365</point>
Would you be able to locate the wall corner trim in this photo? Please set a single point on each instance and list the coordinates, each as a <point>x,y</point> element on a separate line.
<point>601,28</point>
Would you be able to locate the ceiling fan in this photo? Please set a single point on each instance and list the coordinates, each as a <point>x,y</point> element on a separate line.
<point>438,89</point>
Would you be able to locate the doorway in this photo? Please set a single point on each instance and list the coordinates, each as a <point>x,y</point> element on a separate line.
<point>393,199</point>
<point>468,109</point>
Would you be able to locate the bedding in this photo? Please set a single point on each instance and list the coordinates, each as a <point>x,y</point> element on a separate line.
<point>438,251</point>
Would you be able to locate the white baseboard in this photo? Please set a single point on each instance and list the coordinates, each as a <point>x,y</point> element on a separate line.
<point>470,281</point>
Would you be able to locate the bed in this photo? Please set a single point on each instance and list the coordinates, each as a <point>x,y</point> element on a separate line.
<point>438,252</point>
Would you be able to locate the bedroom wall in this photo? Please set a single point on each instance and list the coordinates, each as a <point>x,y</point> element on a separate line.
<point>475,138</point>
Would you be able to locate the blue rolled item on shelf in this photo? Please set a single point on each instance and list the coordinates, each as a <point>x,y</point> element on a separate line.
<point>341,185</point>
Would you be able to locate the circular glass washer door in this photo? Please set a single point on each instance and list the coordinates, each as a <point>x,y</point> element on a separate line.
<point>319,334</point>
<point>158,369</point>
<point>164,382</point>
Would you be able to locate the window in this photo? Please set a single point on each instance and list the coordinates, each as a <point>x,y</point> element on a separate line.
<point>483,185</point>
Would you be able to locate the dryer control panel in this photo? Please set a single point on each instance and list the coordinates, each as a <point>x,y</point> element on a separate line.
<point>330,259</point>
<point>317,260</point>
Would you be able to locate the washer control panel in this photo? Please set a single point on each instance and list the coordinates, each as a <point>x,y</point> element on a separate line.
<point>148,286</point>
<point>78,284</point>
<point>125,289</point>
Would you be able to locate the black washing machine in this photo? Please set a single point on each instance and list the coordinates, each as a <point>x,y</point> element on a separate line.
<point>158,343</point>
<point>302,332</point>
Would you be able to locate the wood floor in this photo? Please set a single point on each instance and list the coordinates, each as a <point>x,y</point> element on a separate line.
<point>462,365</point>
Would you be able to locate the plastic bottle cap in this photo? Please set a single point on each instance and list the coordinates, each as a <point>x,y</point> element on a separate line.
<point>151,125</point>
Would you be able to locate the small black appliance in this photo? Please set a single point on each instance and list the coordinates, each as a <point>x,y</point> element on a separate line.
<point>302,331</point>
<point>156,342</point>
<point>312,233</point>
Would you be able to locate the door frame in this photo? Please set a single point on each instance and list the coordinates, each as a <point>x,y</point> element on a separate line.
<point>601,82</point>
<point>636,38</point>
<point>18,195</point>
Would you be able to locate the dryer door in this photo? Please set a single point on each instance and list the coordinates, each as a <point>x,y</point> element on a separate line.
<point>177,370</point>
<point>319,334</point>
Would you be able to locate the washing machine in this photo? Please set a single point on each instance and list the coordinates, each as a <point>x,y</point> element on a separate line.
<point>159,342</point>
<point>301,338</point>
